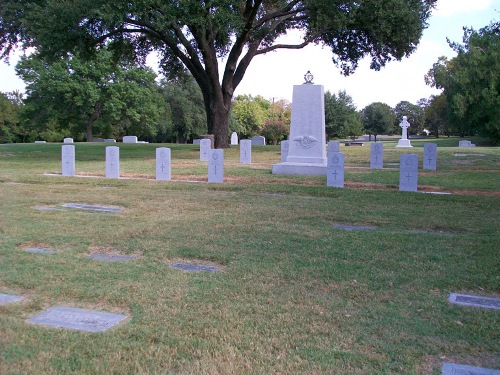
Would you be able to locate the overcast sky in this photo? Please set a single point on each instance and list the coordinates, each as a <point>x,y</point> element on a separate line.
<point>273,75</point>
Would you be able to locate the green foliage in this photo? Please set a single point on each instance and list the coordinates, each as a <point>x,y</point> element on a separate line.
<point>436,116</point>
<point>275,131</point>
<point>195,35</point>
<point>471,82</point>
<point>377,119</point>
<point>73,96</point>
<point>415,115</point>
<point>11,129</point>
<point>250,114</point>
<point>341,118</point>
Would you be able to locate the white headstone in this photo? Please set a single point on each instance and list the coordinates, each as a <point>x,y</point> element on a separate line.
<point>205,146</point>
<point>284,150</point>
<point>307,140</point>
<point>246,151</point>
<point>40,141</point>
<point>408,172</point>
<point>258,140</point>
<point>234,138</point>
<point>68,160</point>
<point>130,139</point>
<point>112,162</point>
<point>335,169</point>
<point>333,146</point>
<point>196,141</point>
<point>430,156</point>
<point>466,144</point>
<point>110,140</point>
<point>68,140</point>
<point>377,155</point>
<point>404,141</point>
<point>163,166</point>
<point>216,166</point>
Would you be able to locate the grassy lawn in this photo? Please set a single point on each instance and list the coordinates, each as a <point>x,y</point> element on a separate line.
<point>295,295</point>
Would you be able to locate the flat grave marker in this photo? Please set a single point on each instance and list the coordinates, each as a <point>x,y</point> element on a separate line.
<point>163,164</point>
<point>79,319</point>
<point>463,155</point>
<point>455,369</point>
<point>7,298</point>
<point>194,267</point>
<point>36,250</point>
<point>68,160</point>
<point>408,172</point>
<point>354,227</point>
<point>430,156</point>
<point>111,257</point>
<point>335,169</point>
<point>475,301</point>
<point>89,207</point>
<point>216,166</point>
<point>112,162</point>
<point>377,155</point>
<point>246,151</point>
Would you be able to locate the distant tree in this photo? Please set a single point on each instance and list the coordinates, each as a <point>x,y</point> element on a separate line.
<point>274,131</point>
<point>436,116</point>
<point>414,113</point>
<point>250,114</point>
<point>377,119</point>
<point>196,35</point>
<point>341,118</point>
<point>471,82</point>
<point>11,129</point>
<point>185,111</point>
<point>281,110</point>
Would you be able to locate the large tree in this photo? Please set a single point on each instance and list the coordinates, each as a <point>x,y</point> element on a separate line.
<point>196,34</point>
<point>341,118</point>
<point>471,82</point>
<point>377,119</point>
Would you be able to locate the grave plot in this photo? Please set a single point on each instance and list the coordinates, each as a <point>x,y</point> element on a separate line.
<point>78,319</point>
<point>7,298</point>
<point>455,369</point>
<point>475,301</point>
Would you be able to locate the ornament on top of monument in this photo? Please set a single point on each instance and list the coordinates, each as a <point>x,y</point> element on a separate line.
<point>308,77</point>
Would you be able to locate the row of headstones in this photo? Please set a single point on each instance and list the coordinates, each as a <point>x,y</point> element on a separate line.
<point>408,165</point>
<point>126,139</point>
<point>257,140</point>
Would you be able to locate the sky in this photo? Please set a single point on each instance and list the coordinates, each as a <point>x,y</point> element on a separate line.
<point>273,75</point>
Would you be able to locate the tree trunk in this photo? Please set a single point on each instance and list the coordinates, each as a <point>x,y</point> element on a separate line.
<point>217,119</point>
<point>92,118</point>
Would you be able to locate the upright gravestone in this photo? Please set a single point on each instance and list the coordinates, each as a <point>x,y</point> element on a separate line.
<point>234,138</point>
<point>112,162</point>
<point>404,141</point>
<point>307,140</point>
<point>68,160</point>
<point>163,167</point>
<point>284,150</point>
<point>335,169</point>
<point>333,146</point>
<point>205,146</point>
<point>258,140</point>
<point>216,166</point>
<point>130,139</point>
<point>408,172</point>
<point>246,151</point>
<point>430,156</point>
<point>68,140</point>
<point>377,155</point>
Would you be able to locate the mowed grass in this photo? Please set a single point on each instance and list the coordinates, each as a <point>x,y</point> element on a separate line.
<point>294,295</point>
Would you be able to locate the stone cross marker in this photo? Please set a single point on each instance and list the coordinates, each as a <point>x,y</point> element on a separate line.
<point>234,138</point>
<point>404,141</point>
<point>246,151</point>
<point>408,172</point>
<point>430,156</point>
<point>205,147</point>
<point>163,166</point>
<point>112,162</point>
<point>68,160</point>
<point>333,146</point>
<point>284,150</point>
<point>335,169</point>
<point>216,166</point>
<point>377,155</point>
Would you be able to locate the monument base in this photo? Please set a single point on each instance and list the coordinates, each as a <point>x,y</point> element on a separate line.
<point>308,169</point>
<point>404,143</point>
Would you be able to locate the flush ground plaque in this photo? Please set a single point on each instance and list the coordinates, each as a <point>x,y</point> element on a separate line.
<point>40,251</point>
<point>111,258</point>
<point>353,227</point>
<point>89,207</point>
<point>6,298</point>
<point>454,369</point>
<point>476,301</point>
<point>194,267</point>
<point>82,320</point>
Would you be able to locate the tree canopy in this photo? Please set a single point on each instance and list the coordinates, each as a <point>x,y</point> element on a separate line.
<point>377,119</point>
<point>341,118</point>
<point>196,35</point>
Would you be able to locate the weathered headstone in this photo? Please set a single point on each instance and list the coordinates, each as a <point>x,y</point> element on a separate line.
<point>466,144</point>
<point>404,141</point>
<point>79,319</point>
<point>246,151</point>
<point>130,139</point>
<point>163,164</point>
<point>68,140</point>
<point>112,162</point>
<point>430,156</point>
<point>196,141</point>
<point>258,140</point>
<point>333,146</point>
<point>7,298</point>
<point>307,140</point>
<point>335,169</point>
<point>234,138</point>
<point>284,150</point>
<point>408,172</point>
<point>456,369</point>
<point>205,147</point>
<point>216,166</point>
<point>377,155</point>
<point>68,160</point>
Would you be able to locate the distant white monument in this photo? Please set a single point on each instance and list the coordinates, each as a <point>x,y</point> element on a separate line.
<point>307,140</point>
<point>404,141</point>
<point>234,138</point>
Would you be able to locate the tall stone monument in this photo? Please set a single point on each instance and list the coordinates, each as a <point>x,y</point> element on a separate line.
<point>307,140</point>
<point>404,141</point>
